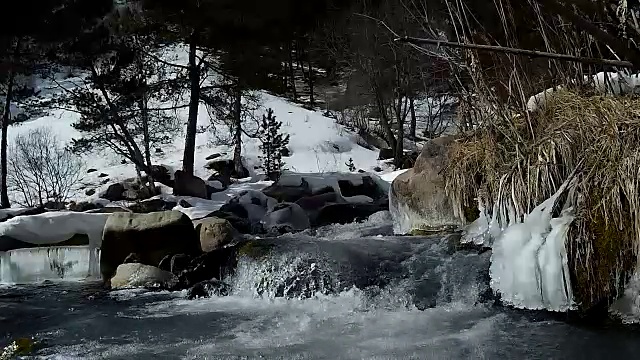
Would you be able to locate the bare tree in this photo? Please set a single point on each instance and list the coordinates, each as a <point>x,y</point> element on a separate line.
<point>41,169</point>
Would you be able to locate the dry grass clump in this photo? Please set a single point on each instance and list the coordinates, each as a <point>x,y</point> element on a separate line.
<point>522,160</point>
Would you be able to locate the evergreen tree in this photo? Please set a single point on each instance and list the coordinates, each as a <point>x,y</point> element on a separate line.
<point>350,165</point>
<point>124,75</point>
<point>273,144</point>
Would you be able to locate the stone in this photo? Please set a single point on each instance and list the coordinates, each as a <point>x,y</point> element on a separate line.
<point>135,275</point>
<point>227,169</point>
<point>418,196</point>
<point>217,264</point>
<point>385,153</point>
<point>108,210</point>
<point>214,233</point>
<point>91,171</point>
<point>189,185</point>
<point>152,236</point>
<point>242,224</point>
<point>288,193</point>
<point>368,187</point>
<point>162,175</point>
<point>213,156</point>
<point>286,217</point>
<point>165,263</point>
<point>90,192</point>
<point>312,204</point>
<point>184,203</point>
<point>208,288</point>
<point>102,175</point>
<point>152,205</point>
<point>114,192</point>
<point>132,258</point>
<point>179,263</point>
<point>346,213</point>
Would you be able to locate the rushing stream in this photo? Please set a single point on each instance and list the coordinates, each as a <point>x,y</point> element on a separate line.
<point>333,295</point>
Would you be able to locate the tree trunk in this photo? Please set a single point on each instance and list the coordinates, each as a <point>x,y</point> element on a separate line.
<point>311,83</point>
<point>147,141</point>
<point>237,136</point>
<point>292,73</point>
<point>194,103</point>
<point>400,118</point>
<point>412,106</point>
<point>6,117</point>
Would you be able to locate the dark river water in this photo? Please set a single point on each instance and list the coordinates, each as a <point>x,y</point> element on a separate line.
<point>311,298</point>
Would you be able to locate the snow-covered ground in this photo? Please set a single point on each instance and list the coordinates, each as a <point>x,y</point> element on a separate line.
<point>317,145</point>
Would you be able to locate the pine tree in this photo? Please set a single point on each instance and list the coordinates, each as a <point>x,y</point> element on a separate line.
<point>350,165</point>
<point>273,143</point>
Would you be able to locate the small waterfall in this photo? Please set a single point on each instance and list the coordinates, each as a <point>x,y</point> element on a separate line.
<point>69,263</point>
<point>420,272</point>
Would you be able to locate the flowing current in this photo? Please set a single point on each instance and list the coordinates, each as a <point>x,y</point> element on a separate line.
<point>344,292</point>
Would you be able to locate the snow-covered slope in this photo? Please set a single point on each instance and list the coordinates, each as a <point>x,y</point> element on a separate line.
<point>318,144</point>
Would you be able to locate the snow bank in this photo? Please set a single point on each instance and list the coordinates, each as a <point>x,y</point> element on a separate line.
<point>606,83</point>
<point>529,266</point>
<point>55,227</point>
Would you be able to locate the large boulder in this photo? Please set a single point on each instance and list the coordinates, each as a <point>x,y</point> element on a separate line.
<point>135,275</point>
<point>151,236</point>
<point>189,185</point>
<point>214,233</point>
<point>418,197</point>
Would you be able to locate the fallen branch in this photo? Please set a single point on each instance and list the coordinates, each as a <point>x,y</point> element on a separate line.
<point>515,51</point>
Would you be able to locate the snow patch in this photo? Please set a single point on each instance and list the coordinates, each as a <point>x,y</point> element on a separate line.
<point>605,83</point>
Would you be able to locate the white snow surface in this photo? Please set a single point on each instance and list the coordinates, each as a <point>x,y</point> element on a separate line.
<point>317,144</point>
<point>529,265</point>
<point>606,83</point>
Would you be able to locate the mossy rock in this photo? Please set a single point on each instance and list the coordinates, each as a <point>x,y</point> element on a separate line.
<point>255,249</point>
<point>19,347</point>
<point>471,213</point>
<point>430,231</point>
<point>611,261</point>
